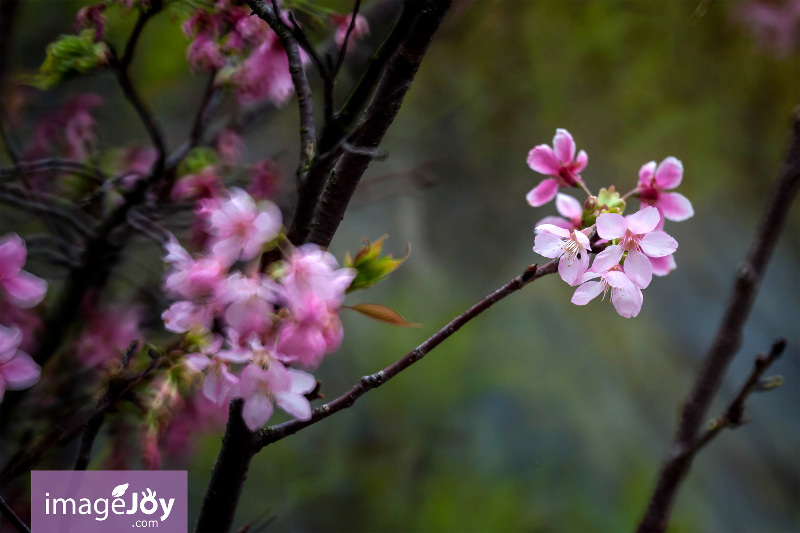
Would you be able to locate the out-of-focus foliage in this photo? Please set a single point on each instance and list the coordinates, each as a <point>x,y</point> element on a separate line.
<point>539,415</point>
<point>70,56</point>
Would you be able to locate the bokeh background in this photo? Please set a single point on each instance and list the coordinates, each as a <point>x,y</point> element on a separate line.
<point>539,415</point>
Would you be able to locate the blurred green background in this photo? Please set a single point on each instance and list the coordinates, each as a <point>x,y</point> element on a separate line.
<point>539,415</point>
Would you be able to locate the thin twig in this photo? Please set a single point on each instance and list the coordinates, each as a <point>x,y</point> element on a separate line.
<point>343,49</point>
<point>273,434</point>
<point>54,164</point>
<point>727,340</point>
<point>208,106</point>
<point>16,521</point>
<point>732,417</point>
<point>305,102</point>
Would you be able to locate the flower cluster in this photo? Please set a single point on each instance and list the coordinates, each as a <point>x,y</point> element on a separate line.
<point>263,321</point>
<point>629,249</point>
<point>20,290</point>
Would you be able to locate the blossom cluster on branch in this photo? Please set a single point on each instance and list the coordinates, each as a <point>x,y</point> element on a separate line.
<point>629,249</point>
<point>264,321</point>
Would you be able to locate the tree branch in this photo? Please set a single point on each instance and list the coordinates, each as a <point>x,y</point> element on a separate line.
<point>335,131</point>
<point>733,415</point>
<point>380,114</point>
<point>305,101</point>
<point>16,521</point>
<point>727,340</point>
<point>273,434</point>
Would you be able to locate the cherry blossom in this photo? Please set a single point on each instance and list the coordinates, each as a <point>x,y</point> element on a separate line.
<point>260,387</point>
<point>107,332</point>
<point>310,268</point>
<point>22,288</point>
<point>571,212</point>
<point>17,369</point>
<point>570,247</point>
<point>626,297</point>
<point>559,162</point>
<point>240,229</point>
<point>653,181</point>
<point>360,29</point>
<point>638,238</point>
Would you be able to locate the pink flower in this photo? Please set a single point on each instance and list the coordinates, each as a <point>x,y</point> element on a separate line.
<point>92,17</point>
<point>310,268</point>
<point>569,208</point>
<point>27,320</point>
<point>251,303</point>
<point>559,162</point>
<point>204,54</point>
<point>265,75</point>
<point>107,333</point>
<point>663,265</point>
<point>285,386</point>
<point>774,25</point>
<point>312,331</point>
<point>23,289</point>
<point>206,183</point>
<point>360,29</point>
<point>219,384</point>
<point>570,247</point>
<point>240,230</point>
<point>636,237</point>
<point>652,183</point>
<point>230,145</point>
<point>192,279</point>
<point>185,316</point>
<point>263,179</point>
<point>17,370</point>
<point>625,295</point>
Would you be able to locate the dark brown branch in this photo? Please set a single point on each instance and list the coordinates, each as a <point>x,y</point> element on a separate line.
<point>733,417</point>
<point>727,340</point>
<point>380,114</point>
<point>335,131</point>
<point>16,521</point>
<point>208,106</point>
<point>74,218</point>
<point>55,164</point>
<point>273,434</point>
<point>239,445</point>
<point>304,99</point>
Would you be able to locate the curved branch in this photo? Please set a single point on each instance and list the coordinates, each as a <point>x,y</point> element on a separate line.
<point>727,340</point>
<point>365,384</point>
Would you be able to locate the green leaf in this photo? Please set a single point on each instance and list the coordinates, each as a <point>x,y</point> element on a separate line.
<point>606,201</point>
<point>69,56</point>
<point>372,267</point>
<point>384,314</point>
<point>197,159</point>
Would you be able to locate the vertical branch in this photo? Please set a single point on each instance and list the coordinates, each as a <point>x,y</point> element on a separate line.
<point>305,102</point>
<point>8,12</point>
<point>380,114</point>
<point>230,470</point>
<point>727,340</point>
<point>12,517</point>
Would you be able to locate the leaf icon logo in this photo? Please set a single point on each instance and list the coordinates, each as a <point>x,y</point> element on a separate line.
<point>119,490</point>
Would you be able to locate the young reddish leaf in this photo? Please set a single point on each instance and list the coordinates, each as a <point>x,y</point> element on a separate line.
<point>381,313</point>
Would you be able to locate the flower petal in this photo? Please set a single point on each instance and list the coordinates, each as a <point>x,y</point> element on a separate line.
<point>658,244</point>
<point>611,225</point>
<point>257,410</point>
<point>25,289</point>
<point>580,162</point>
<point>543,160</point>
<point>20,372</point>
<point>663,265</point>
<point>607,258</point>
<point>669,173</point>
<point>12,255</point>
<point>554,221</point>
<point>643,221</point>
<point>568,206</point>
<point>295,404</point>
<point>627,302</point>
<point>542,193</point>
<point>675,206</point>
<point>564,147</point>
<point>548,245</point>
<point>587,292</point>
<point>638,268</point>
<point>10,339</point>
<point>646,172</point>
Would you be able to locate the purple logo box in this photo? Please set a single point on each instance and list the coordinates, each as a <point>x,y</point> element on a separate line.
<point>108,501</point>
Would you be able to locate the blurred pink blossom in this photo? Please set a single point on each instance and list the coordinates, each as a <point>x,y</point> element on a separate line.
<point>22,288</point>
